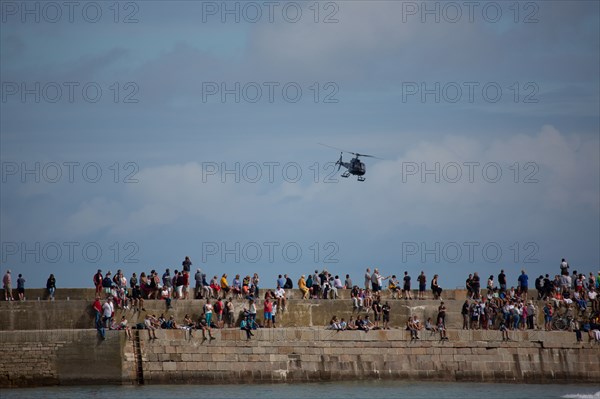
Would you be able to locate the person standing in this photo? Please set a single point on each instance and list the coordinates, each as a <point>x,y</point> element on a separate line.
<point>7,282</point>
<point>442,313</point>
<point>108,310</point>
<point>187,267</point>
<point>255,282</point>
<point>476,286</point>
<point>133,281</point>
<point>268,312</point>
<point>198,288</point>
<point>98,281</point>
<point>368,279</point>
<point>523,283</point>
<point>564,267</point>
<point>386,315</point>
<point>187,264</point>
<point>208,310</point>
<point>375,280</point>
<point>21,287</point>
<point>406,288</point>
<point>422,284</point>
<point>97,306</point>
<point>51,287</point>
<point>168,282</point>
<point>316,285</point>
<point>502,281</point>
<point>531,313</point>
<point>465,314</point>
<point>435,288</point>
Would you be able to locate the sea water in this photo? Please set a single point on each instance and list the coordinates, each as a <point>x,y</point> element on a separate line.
<point>327,390</point>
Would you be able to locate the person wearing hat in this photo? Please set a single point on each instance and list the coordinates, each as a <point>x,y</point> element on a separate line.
<point>7,282</point>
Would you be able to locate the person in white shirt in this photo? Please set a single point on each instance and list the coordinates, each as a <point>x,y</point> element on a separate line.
<point>108,310</point>
<point>280,296</point>
<point>368,279</point>
<point>593,297</point>
<point>337,285</point>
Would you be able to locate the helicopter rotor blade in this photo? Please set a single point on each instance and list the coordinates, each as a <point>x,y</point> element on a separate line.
<point>335,148</point>
<point>367,156</point>
<point>350,152</point>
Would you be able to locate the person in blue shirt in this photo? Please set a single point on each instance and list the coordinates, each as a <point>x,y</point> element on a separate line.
<point>523,282</point>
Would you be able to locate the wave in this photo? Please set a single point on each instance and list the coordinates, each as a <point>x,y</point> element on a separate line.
<point>583,395</point>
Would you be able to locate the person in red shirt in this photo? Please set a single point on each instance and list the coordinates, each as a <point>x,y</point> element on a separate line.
<point>97,306</point>
<point>186,285</point>
<point>268,309</point>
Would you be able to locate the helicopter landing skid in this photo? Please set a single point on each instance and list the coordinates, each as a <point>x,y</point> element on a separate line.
<point>360,178</point>
<point>346,174</point>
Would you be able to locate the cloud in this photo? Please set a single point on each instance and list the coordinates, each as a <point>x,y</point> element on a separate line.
<point>541,175</point>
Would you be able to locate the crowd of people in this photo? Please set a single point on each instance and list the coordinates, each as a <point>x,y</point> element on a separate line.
<point>570,298</point>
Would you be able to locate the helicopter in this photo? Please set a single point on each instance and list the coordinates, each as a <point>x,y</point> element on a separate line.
<point>355,166</point>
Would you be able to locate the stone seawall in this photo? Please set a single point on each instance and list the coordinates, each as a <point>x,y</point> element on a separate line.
<point>289,355</point>
<point>61,357</point>
<point>78,314</point>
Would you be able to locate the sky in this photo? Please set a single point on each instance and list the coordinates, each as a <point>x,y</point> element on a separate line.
<point>135,133</point>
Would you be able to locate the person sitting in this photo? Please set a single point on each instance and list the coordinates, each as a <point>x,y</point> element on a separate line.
<point>442,329</point>
<point>166,296</point>
<point>334,324</point>
<point>224,285</point>
<point>245,326</point>
<point>280,297</point>
<point>215,286</point>
<point>412,326</point>
<point>367,324</point>
<point>351,325</point>
<point>150,327</point>
<point>429,327</point>
<point>207,291</point>
<point>302,286</point>
<point>188,324</point>
<point>343,324</point>
<point>236,287</point>
<point>205,327</point>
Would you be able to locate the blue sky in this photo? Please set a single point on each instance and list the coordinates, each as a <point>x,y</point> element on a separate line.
<point>504,115</point>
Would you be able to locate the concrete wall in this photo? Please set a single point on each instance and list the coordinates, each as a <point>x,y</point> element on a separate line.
<point>76,314</point>
<point>315,354</point>
<point>52,342</point>
<point>60,357</point>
